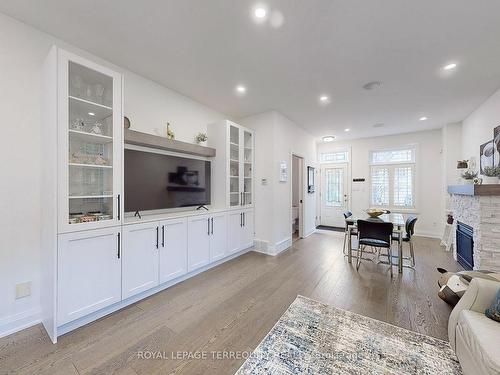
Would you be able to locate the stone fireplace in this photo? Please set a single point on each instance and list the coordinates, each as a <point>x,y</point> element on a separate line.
<point>478,207</point>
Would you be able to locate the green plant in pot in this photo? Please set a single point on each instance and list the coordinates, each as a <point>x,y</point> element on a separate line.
<point>492,173</point>
<point>469,176</point>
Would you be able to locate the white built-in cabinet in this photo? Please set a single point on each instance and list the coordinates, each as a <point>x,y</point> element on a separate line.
<point>233,165</point>
<point>89,272</point>
<point>240,230</point>
<point>173,249</point>
<point>207,239</point>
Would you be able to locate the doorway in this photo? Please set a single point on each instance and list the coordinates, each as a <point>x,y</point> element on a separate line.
<point>334,194</point>
<point>297,208</point>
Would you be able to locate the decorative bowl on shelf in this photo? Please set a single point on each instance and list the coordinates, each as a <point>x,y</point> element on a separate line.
<point>375,212</point>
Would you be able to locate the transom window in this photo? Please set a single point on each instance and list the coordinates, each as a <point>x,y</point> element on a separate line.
<point>334,157</point>
<point>393,178</point>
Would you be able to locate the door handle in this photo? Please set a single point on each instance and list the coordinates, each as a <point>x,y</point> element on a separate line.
<point>119,246</point>
<point>157,230</point>
<point>163,236</point>
<point>119,208</point>
<point>208,226</point>
<point>212,220</point>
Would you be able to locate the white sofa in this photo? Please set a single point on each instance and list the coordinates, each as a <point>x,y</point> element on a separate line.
<point>474,337</point>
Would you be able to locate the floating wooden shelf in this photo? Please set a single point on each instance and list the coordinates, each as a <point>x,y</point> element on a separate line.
<point>133,137</point>
<point>475,190</point>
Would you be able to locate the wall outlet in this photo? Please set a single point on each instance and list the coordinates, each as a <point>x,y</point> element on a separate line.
<point>23,290</point>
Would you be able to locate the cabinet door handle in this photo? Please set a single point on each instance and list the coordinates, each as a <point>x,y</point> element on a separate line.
<point>241,219</point>
<point>119,246</point>
<point>163,236</point>
<point>157,230</point>
<point>241,199</point>
<point>212,220</point>
<point>244,220</point>
<point>119,208</point>
<point>208,226</point>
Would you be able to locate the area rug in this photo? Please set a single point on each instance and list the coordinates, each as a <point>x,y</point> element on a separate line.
<point>314,338</point>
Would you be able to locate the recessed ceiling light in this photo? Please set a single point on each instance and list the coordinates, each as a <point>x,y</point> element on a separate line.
<point>379,125</point>
<point>91,114</point>
<point>347,130</point>
<point>450,66</point>
<point>372,85</point>
<point>423,118</point>
<point>240,89</point>
<point>328,138</point>
<point>323,98</point>
<point>260,12</point>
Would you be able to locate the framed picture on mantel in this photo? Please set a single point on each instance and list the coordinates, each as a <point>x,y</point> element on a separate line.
<point>496,146</point>
<point>486,155</point>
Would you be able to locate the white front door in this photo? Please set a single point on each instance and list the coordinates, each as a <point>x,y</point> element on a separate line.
<point>334,194</point>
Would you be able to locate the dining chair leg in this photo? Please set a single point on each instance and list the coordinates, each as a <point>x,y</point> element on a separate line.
<point>343,244</point>
<point>389,253</point>
<point>412,254</point>
<point>400,255</point>
<point>360,255</point>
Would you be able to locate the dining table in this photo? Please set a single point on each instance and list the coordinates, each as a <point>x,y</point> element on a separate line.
<point>397,219</point>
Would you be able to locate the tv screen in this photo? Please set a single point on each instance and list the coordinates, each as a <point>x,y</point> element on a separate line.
<point>155,181</point>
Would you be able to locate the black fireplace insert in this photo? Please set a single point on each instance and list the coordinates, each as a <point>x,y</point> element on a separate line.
<point>465,245</point>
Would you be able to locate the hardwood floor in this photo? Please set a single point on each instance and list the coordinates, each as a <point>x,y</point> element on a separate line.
<point>232,307</point>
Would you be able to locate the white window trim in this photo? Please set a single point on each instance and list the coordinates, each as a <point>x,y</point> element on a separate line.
<point>415,164</point>
<point>347,152</point>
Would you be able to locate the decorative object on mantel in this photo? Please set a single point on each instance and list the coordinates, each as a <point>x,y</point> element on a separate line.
<point>314,338</point>
<point>170,132</point>
<point>478,181</point>
<point>496,144</point>
<point>201,138</point>
<point>450,219</point>
<point>491,174</point>
<point>126,122</point>
<point>283,172</point>
<point>486,156</point>
<point>469,176</point>
<point>310,180</point>
<point>462,164</point>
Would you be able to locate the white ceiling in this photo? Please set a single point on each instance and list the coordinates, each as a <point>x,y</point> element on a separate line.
<point>203,49</point>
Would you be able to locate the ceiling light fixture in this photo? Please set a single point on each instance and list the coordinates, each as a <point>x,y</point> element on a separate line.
<point>450,66</point>
<point>91,114</point>
<point>423,118</point>
<point>372,85</point>
<point>347,130</point>
<point>328,138</point>
<point>260,13</point>
<point>240,89</point>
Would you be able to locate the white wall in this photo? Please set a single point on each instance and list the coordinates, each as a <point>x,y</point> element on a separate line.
<point>478,127</point>
<point>148,105</point>
<point>276,139</point>
<point>452,152</point>
<point>429,202</point>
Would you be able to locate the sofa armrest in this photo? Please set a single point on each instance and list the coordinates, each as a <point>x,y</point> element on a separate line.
<point>478,297</point>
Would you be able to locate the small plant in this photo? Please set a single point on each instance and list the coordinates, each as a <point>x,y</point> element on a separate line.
<point>469,175</point>
<point>200,137</point>
<point>491,171</point>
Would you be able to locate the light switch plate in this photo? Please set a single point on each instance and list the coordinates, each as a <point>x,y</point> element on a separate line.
<point>23,290</point>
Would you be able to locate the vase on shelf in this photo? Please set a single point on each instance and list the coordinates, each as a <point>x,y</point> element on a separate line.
<point>489,180</point>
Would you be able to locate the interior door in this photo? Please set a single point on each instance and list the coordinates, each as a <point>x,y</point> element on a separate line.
<point>140,258</point>
<point>89,272</point>
<point>198,242</point>
<point>173,249</point>
<point>218,236</point>
<point>334,194</point>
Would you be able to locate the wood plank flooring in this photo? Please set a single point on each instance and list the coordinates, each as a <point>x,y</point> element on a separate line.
<point>231,308</point>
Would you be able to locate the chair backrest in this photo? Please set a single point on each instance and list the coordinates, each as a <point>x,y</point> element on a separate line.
<point>377,230</point>
<point>410,225</point>
<point>347,214</point>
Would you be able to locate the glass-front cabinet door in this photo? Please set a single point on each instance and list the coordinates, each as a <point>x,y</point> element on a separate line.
<point>241,150</point>
<point>90,144</point>
<point>247,167</point>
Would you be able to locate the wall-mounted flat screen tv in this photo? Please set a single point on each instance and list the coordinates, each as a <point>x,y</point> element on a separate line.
<point>155,181</point>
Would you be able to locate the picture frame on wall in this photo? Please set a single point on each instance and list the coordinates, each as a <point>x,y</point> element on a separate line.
<point>496,145</point>
<point>486,155</point>
<point>310,180</point>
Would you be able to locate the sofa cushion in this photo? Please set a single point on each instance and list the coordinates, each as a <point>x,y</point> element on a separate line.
<point>493,312</point>
<point>481,335</point>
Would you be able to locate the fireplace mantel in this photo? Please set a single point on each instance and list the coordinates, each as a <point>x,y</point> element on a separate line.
<point>475,190</point>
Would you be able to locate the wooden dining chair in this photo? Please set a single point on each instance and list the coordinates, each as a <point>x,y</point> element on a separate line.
<point>377,235</point>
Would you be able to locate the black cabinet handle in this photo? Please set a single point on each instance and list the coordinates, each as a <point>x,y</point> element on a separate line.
<point>119,208</point>
<point>212,220</point>
<point>241,199</point>
<point>163,236</point>
<point>157,230</point>
<point>244,220</point>
<point>208,226</point>
<point>119,246</point>
<point>241,219</point>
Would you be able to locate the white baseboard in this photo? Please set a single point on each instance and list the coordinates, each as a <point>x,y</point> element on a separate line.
<point>17,322</point>
<point>309,232</point>
<point>428,234</point>
<point>262,246</point>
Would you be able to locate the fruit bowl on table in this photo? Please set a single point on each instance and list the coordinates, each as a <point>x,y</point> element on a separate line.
<point>375,212</point>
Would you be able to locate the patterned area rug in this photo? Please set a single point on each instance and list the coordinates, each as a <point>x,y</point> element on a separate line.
<point>314,338</point>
